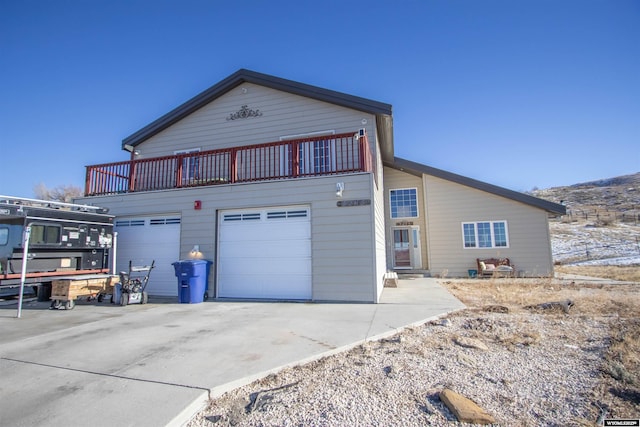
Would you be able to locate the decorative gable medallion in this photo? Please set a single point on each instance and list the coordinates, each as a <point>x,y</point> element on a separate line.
<point>244,113</point>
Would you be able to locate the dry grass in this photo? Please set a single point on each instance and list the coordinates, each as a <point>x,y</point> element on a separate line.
<point>597,299</point>
<point>612,305</point>
<point>613,272</point>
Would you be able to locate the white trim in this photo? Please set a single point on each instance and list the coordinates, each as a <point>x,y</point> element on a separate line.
<point>417,203</point>
<point>187,151</point>
<point>491,229</point>
<point>307,135</point>
<point>415,246</point>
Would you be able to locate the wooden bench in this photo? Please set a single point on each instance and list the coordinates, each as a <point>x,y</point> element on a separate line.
<point>495,267</point>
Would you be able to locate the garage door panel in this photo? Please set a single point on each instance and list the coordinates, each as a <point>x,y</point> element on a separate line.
<point>295,249</point>
<point>264,287</point>
<point>268,255</point>
<point>268,266</point>
<point>234,286</point>
<point>283,287</point>
<point>284,232</point>
<point>262,233</point>
<point>146,239</point>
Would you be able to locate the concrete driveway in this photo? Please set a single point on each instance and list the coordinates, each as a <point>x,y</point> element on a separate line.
<point>156,364</point>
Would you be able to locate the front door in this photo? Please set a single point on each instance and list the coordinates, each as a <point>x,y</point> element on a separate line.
<point>406,248</point>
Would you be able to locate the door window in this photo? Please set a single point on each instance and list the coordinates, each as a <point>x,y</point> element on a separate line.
<point>402,253</point>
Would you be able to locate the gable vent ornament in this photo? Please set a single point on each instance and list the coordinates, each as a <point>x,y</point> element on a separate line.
<point>244,113</point>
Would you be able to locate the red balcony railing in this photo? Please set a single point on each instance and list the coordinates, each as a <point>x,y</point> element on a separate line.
<point>318,156</point>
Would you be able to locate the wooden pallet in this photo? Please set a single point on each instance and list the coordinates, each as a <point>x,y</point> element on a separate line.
<point>70,288</point>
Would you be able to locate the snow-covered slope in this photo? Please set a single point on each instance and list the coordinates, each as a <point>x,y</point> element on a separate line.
<point>584,243</point>
<point>602,225</point>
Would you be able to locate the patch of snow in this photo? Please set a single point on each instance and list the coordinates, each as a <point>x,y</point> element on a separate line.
<point>629,260</point>
<point>580,243</point>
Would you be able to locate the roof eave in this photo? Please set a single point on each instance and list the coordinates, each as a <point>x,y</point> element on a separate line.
<point>419,169</point>
<point>381,110</point>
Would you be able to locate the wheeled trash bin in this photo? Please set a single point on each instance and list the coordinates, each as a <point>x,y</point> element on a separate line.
<point>193,280</point>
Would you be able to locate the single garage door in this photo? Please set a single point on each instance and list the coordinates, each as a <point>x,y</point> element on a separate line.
<point>144,239</point>
<point>265,253</point>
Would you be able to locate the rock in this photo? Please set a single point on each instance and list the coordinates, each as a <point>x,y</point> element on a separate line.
<point>465,409</point>
<point>467,360</point>
<point>446,322</point>
<point>495,309</point>
<point>554,305</point>
<point>470,343</point>
<point>392,371</point>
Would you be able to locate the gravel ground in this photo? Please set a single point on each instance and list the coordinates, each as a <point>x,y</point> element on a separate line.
<point>537,368</point>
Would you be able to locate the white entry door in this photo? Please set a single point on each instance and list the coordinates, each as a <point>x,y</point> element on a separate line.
<point>265,253</point>
<point>145,239</point>
<point>407,251</point>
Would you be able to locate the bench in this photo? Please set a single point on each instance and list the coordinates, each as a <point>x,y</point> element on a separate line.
<point>391,279</point>
<point>495,267</point>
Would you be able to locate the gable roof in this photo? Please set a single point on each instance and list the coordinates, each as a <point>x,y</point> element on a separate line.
<point>381,110</point>
<point>418,169</point>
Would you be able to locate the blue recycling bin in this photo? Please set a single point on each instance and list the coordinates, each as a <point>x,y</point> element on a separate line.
<point>193,280</point>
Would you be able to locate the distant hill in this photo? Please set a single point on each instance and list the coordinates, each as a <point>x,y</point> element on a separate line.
<point>602,225</point>
<point>615,199</point>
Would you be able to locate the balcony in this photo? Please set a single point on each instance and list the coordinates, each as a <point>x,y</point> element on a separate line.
<point>296,158</point>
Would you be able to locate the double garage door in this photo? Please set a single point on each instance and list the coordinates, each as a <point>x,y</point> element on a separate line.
<point>265,253</point>
<point>262,253</point>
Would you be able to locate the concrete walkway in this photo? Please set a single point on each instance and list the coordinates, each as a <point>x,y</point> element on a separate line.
<point>157,364</point>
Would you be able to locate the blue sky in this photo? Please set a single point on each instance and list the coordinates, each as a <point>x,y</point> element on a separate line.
<point>519,94</point>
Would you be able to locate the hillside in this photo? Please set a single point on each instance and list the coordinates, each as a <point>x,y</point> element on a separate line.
<point>602,225</point>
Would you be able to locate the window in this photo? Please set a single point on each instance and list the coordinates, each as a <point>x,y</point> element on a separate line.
<point>404,203</point>
<point>45,234</point>
<point>4,236</point>
<point>242,217</point>
<point>317,157</point>
<point>130,223</point>
<point>287,214</point>
<point>190,165</point>
<point>485,234</point>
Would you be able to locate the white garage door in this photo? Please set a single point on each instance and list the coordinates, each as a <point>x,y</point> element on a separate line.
<point>145,239</point>
<point>265,253</point>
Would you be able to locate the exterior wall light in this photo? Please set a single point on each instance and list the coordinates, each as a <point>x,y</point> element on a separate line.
<point>339,189</point>
<point>195,252</point>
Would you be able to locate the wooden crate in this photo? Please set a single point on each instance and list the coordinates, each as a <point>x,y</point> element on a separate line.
<point>72,288</point>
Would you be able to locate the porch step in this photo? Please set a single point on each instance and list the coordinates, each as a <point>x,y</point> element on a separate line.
<point>412,274</point>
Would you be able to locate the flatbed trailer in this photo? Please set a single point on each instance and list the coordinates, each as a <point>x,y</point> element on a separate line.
<point>65,240</point>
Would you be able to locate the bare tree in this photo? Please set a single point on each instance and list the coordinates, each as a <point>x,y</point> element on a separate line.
<point>61,193</point>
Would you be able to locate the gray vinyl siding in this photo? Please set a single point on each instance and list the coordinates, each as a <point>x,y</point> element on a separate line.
<point>393,180</point>
<point>450,204</point>
<point>343,247</point>
<point>283,114</point>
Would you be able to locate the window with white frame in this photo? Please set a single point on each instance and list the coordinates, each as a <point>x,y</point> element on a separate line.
<point>190,165</point>
<point>485,234</point>
<point>404,203</point>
